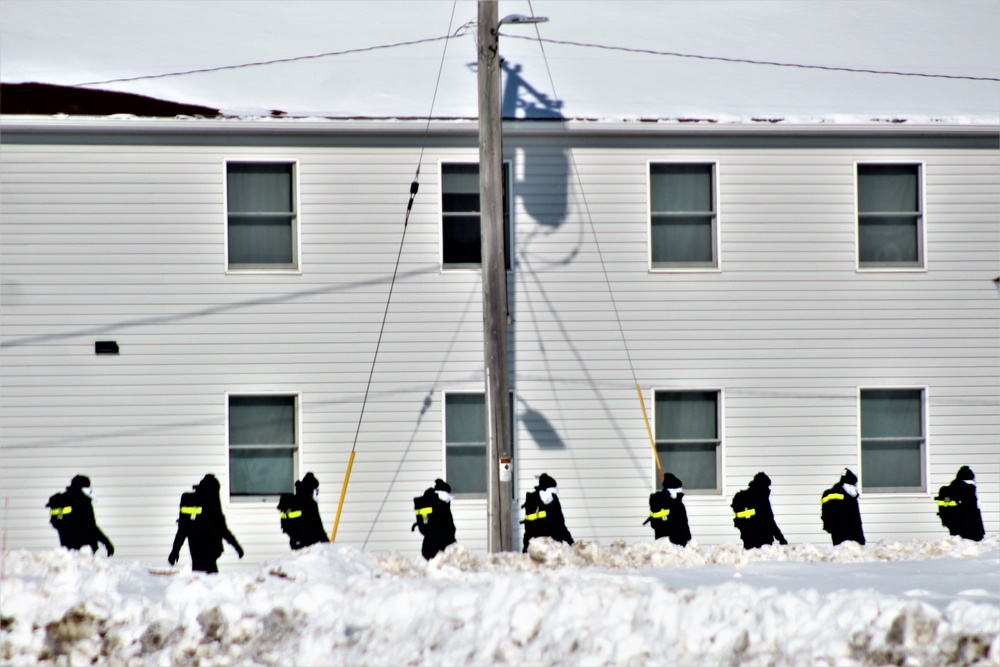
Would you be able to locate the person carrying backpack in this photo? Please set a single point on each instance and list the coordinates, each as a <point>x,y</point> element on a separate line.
<point>202,523</point>
<point>840,511</point>
<point>71,513</point>
<point>299,514</point>
<point>543,515</point>
<point>753,516</point>
<point>958,506</point>
<point>667,514</point>
<point>434,519</point>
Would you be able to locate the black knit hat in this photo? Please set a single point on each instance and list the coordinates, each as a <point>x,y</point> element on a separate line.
<point>848,477</point>
<point>545,482</point>
<point>441,485</point>
<point>965,473</point>
<point>309,482</point>
<point>79,482</point>
<point>670,481</point>
<point>209,483</point>
<point>760,479</point>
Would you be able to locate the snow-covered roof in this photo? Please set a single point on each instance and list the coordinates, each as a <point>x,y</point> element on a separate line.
<point>602,60</point>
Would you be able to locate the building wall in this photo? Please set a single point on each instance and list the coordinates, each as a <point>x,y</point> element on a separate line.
<point>123,238</point>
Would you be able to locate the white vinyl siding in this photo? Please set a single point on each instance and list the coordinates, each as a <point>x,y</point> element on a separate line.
<point>123,240</point>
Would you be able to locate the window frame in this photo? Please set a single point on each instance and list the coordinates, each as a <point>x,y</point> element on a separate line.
<point>720,423</point>
<point>921,265</point>
<point>486,445</point>
<point>716,266</point>
<point>511,259</point>
<point>296,449</point>
<point>296,266</point>
<point>924,449</point>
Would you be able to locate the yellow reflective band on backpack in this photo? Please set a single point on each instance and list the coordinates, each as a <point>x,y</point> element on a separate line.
<point>540,514</point>
<point>832,496</point>
<point>423,512</point>
<point>947,502</point>
<point>294,514</point>
<point>58,512</point>
<point>662,514</point>
<point>193,511</point>
<point>745,514</point>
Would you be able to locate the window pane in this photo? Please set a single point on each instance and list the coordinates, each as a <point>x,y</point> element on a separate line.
<point>686,415</point>
<point>888,240</point>
<point>260,240</point>
<point>262,420</point>
<point>465,467</point>
<point>695,464</point>
<point>891,413</point>
<point>461,234</point>
<point>261,471</point>
<point>465,419</point>
<point>259,188</point>
<point>682,239</point>
<point>891,465</point>
<point>681,187</point>
<point>462,240</point>
<point>887,188</point>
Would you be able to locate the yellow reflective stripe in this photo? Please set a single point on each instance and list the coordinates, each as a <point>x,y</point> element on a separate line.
<point>662,514</point>
<point>540,514</point>
<point>833,496</point>
<point>58,512</point>
<point>193,511</point>
<point>423,512</point>
<point>294,514</point>
<point>745,514</point>
<point>947,502</point>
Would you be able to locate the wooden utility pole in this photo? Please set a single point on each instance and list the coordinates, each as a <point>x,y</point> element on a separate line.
<point>495,316</point>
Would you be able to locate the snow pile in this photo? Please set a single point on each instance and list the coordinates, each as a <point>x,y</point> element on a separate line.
<point>555,606</point>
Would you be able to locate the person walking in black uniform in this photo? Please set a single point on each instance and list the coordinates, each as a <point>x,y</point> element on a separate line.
<point>667,514</point>
<point>958,506</point>
<point>753,515</point>
<point>543,515</point>
<point>203,525</point>
<point>840,511</point>
<point>434,519</point>
<point>300,518</point>
<point>71,513</point>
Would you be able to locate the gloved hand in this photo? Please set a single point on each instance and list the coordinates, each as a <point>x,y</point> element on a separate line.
<point>783,542</point>
<point>172,558</point>
<point>110,547</point>
<point>239,550</point>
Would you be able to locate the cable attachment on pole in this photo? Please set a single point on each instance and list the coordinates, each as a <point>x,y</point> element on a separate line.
<point>414,186</point>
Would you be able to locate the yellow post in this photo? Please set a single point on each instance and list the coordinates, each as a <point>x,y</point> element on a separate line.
<point>343,494</point>
<point>652,443</point>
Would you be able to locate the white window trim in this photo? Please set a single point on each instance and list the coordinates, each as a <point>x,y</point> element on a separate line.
<point>296,223</point>
<point>721,423</point>
<point>508,166</point>
<point>715,164</point>
<point>924,424</point>
<point>296,456</point>
<point>477,497</point>
<point>922,232</point>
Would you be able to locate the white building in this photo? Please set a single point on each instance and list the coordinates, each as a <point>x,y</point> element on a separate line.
<point>798,271</point>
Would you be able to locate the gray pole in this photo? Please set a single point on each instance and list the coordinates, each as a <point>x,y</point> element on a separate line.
<point>498,428</point>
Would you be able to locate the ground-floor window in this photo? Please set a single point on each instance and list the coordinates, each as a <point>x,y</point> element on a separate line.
<point>688,437</point>
<point>263,443</point>
<point>893,440</point>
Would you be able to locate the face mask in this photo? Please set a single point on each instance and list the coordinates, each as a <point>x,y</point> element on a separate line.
<point>851,490</point>
<point>674,492</point>
<point>316,495</point>
<point>444,496</point>
<point>970,481</point>
<point>88,491</point>
<point>547,494</point>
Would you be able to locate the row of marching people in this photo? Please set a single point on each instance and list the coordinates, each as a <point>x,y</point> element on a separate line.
<point>202,524</point>
<point>753,516</point>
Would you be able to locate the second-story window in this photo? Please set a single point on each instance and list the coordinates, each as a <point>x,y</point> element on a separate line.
<point>890,222</point>
<point>261,217</point>
<point>461,239</point>
<point>682,216</point>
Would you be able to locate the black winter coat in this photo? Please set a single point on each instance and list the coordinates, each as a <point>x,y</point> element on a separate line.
<point>841,515</point>
<point>435,522</point>
<point>541,520</point>
<point>72,515</point>
<point>753,516</point>
<point>203,525</point>
<point>668,517</point>
<point>958,507</point>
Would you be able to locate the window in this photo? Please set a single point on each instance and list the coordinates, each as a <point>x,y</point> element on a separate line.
<point>460,224</point>
<point>892,439</point>
<point>683,221</point>
<point>687,437</point>
<point>263,441</point>
<point>465,443</point>
<point>890,223</point>
<point>261,220</point>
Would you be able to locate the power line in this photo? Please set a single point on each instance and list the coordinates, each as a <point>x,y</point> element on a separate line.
<point>828,68</point>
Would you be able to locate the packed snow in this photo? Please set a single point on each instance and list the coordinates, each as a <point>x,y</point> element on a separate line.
<point>649,603</point>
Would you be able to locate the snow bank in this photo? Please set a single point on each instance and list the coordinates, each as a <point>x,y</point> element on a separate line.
<point>555,606</point>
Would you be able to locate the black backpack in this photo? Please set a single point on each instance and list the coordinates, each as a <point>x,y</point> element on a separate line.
<point>947,509</point>
<point>61,514</point>
<point>423,507</point>
<point>191,509</point>
<point>290,515</point>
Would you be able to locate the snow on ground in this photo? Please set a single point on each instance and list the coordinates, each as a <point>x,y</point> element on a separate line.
<point>650,603</point>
